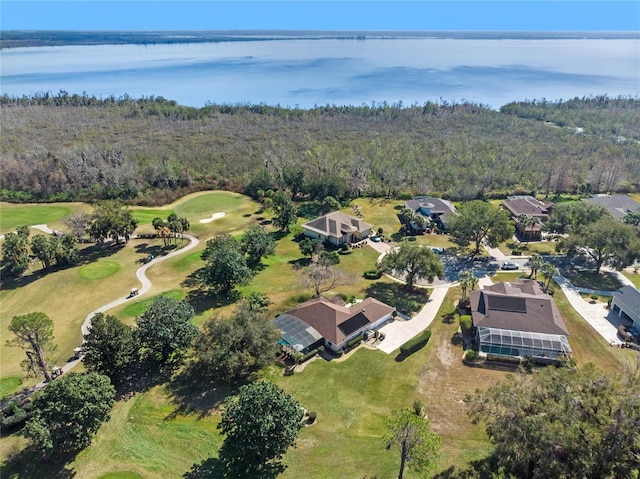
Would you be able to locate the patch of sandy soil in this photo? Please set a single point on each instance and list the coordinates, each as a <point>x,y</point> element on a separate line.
<point>214,217</point>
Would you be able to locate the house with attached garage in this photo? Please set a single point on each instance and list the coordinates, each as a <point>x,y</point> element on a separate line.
<point>618,205</point>
<point>337,228</point>
<point>626,302</point>
<point>519,320</point>
<point>432,209</point>
<point>329,322</point>
<point>529,214</point>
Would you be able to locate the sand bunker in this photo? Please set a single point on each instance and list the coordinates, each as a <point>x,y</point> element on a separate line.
<point>214,216</point>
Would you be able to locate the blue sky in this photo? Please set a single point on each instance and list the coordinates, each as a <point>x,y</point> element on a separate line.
<point>514,15</point>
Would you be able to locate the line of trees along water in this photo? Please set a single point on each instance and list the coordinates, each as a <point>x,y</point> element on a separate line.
<point>75,147</point>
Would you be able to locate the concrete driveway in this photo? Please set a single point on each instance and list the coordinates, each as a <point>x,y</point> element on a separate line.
<point>400,331</point>
<point>600,319</point>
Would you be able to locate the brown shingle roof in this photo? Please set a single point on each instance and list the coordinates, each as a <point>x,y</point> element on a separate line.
<point>527,205</point>
<point>519,306</point>
<point>337,224</point>
<point>335,322</point>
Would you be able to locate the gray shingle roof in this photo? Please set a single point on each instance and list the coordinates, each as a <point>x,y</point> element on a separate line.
<point>617,205</point>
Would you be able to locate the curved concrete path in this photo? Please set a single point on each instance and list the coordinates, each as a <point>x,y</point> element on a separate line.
<point>141,274</point>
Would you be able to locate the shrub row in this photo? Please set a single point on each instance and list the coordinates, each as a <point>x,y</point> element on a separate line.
<point>466,323</point>
<point>15,421</point>
<point>372,274</point>
<point>309,355</point>
<point>415,344</point>
<point>355,341</point>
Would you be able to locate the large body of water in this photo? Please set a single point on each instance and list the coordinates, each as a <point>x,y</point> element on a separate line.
<point>305,72</point>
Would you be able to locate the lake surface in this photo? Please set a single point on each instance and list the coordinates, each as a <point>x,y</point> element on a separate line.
<point>305,72</point>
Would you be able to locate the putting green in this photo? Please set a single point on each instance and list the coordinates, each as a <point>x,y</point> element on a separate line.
<point>16,215</point>
<point>121,475</point>
<point>139,307</point>
<point>99,270</point>
<point>210,203</point>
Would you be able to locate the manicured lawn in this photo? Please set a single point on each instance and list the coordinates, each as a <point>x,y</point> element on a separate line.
<point>603,281</point>
<point>206,204</point>
<point>380,212</point>
<point>139,307</point>
<point>13,215</point>
<point>634,277</point>
<point>540,247</point>
<point>121,475</point>
<point>9,385</point>
<point>146,216</point>
<point>587,345</point>
<point>101,269</point>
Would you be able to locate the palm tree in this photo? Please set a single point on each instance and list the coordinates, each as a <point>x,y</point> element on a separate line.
<point>467,281</point>
<point>549,271</point>
<point>536,263</point>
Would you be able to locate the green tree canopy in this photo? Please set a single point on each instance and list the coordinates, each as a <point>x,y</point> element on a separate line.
<point>479,221</point>
<point>69,411</point>
<point>226,266</point>
<point>33,333</point>
<point>233,348</point>
<point>257,243</point>
<point>563,423</point>
<point>412,261</point>
<point>165,330</point>
<point>284,209</point>
<point>109,347</point>
<point>310,246</point>
<point>468,281</point>
<point>573,216</point>
<point>260,424</point>
<point>410,432</point>
<point>15,252</point>
<point>111,220</point>
<point>606,242</point>
<point>632,218</point>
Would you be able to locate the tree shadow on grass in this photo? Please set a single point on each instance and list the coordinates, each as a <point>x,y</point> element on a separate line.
<point>145,248</point>
<point>202,300</point>
<point>192,392</point>
<point>479,469</point>
<point>397,295</point>
<point>141,377</point>
<point>85,256</point>
<point>30,462</point>
<point>228,467</point>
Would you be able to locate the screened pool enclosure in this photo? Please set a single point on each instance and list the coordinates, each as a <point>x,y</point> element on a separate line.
<point>507,342</point>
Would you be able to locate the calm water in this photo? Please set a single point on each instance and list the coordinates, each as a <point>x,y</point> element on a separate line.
<point>305,73</point>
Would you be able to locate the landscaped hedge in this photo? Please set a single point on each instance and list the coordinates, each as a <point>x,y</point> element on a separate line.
<point>466,323</point>
<point>355,341</point>
<point>415,344</point>
<point>372,274</point>
<point>309,355</point>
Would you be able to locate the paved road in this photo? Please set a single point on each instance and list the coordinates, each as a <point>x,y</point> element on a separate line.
<point>146,286</point>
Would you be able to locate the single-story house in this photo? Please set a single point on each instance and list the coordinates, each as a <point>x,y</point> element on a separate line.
<point>519,320</point>
<point>617,205</point>
<point>627,301</point>
<point>328,322</point>
<point>432,209</point>
<point>337,228</point>
<point>532,208</point>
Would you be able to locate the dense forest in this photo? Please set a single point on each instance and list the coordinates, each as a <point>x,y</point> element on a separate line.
<point>149,150</point>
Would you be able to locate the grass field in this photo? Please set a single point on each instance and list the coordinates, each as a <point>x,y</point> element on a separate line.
<point>13,215</point>
<point>634,277</point>
<point>160,433</point>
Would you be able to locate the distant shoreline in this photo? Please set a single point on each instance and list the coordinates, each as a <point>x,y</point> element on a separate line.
<point>42,38</point>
